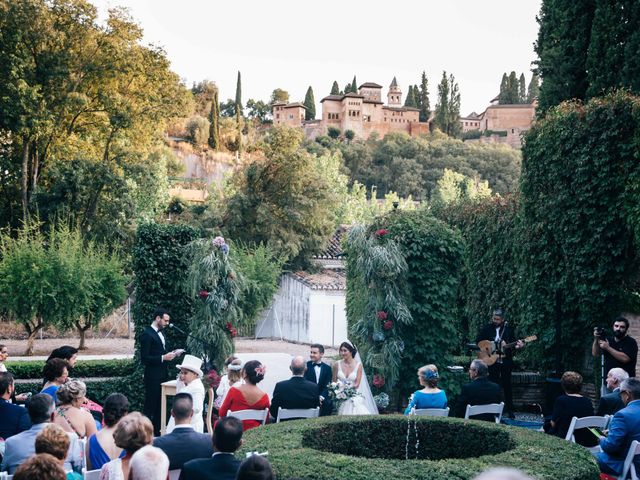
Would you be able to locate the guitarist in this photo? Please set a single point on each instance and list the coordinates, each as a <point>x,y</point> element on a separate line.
<point>500,372</point>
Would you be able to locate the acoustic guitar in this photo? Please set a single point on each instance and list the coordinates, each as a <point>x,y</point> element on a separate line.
<point>488,352</point>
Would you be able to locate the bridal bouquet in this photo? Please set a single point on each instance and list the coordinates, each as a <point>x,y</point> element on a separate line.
<point>341,392</point>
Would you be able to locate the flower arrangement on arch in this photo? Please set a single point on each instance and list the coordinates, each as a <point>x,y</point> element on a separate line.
<point>221,244</point>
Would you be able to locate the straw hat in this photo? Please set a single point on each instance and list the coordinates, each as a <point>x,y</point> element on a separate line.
<point>191,362</point>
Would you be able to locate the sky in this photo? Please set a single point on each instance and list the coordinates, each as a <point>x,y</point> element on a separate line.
<point>294,44</point>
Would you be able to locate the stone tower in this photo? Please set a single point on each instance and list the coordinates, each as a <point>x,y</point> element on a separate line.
<point>394,97</point>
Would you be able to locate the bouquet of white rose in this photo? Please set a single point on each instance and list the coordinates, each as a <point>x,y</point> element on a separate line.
<point>341,392</point>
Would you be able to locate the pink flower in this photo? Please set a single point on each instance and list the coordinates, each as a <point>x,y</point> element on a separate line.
<point>378,381</point>
<point>382,315</point>
<point>382,232</point>
<point>203,294</point>
<point>388,325</point>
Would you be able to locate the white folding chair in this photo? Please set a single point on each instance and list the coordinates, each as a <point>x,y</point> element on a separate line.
<point>209,423</point>
<point>629,470</point>
<point>174,474</point>
<point>495,408</point>
<point>430,412</point>
<point>587,422</point>
<point>285,413</point>
<point>5,476</point>
<point>260,415</point>
<point>90,474</point>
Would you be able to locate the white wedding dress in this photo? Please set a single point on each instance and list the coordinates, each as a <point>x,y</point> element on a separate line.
<point>354,405</point>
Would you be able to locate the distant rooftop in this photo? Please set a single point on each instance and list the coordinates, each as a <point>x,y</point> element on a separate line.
<point>370,85</point>
<point>323,280</point>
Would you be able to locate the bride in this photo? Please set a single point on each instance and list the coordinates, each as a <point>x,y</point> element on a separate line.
<point>349,371</point>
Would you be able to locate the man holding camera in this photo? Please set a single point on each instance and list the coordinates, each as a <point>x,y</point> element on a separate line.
<point>620,350</point>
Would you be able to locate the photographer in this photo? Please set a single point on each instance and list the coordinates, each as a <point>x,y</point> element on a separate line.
<point>620,350</point>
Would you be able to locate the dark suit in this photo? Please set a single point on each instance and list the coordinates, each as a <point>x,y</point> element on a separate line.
<point>325,379</point>
<point>13,419</point>
<point>294,393</point>
<point>222,466</point>
<point>478,392</point>
<point>610,403</point>
<point>500,372</point>
<point>184,444</point>
<point>155,372</point>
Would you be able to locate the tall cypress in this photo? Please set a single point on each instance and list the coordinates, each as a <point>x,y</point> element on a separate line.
<point>239,112</point>
<point>534,88</point>
<point>310,103</point>
<point>522,89</point>
<point>425,106</point>
<point>407,100</point>
<point>347,88</point>
<point>513,88</point>
<point>214,119</point>
<point>354,85</point>
<point>239,92</point>
<point>335,89</point>
<point>504,87</point>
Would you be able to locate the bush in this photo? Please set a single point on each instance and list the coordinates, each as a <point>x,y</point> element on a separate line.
<point>198,130</point>
<point>471,134</point>
<point>84,368</point>
<point>333,132</point>
<point>362,448</point>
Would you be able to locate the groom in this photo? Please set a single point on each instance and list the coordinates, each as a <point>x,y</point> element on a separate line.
<point>319,373</point>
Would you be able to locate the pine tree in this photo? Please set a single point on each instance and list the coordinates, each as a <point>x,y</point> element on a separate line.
<point>310,103</point>
<point>425,106</point>
<point>534,88</point>
<point>335,89</point>
<point>562,47</point>
<point>347,88</point>
<point>354,85</point>
<point>504,87</point>
<point>522,89</point>
<point>214,125</point>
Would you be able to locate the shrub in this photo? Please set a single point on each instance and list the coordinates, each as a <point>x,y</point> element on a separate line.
<point>362,448</point>
<point>84,368</point>
<point>471,134</point>
<point>198,130</point>
<point>333,132</point>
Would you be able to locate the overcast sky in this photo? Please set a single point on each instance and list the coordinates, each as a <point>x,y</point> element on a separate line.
<point>294,44</point>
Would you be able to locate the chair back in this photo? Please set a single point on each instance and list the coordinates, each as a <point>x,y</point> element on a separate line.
<point>586,422</point>
<point>430,412</point>
<point>174,474</point>
<point>5,476</point>
<point>495,408</point>
<point>285,413</point>
<point>91,474</point>
<point>260,415</point>
<point>209,423</point>
<point>629,469</point>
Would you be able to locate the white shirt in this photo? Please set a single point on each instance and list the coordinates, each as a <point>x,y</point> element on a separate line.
<point>316,368</point>
<point>159,334</point>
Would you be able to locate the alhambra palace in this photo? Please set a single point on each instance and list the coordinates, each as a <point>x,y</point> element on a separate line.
<point>365,113</point>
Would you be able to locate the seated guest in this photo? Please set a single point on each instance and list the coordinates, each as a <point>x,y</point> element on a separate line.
<point>149,463</point>
<point>55,374</point>
<point>480,391</point>
<point>623,429</point>
<point>40,467</point>
<point>611,402</point>
<point>101,447</point>
<point>256,467</point>
<point>66,352</point>
<point>227,438</point>
<point>4,355</point>
<point>55,441</point>
<point>13,419</point>
<point>133,432</point>
<point>430,396</point>
<point>570,405</point>
<point>233,378</point>
<point>189,381</point>
<point>247,396</point>
<point>183,443</point>
<point>69,414</point>
<point>295,392</point>
<point>21,446</point>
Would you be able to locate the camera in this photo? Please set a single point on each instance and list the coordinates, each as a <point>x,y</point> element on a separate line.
<point>601,333</point>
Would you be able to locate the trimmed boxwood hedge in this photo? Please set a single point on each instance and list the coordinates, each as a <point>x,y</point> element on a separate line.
<point>32,369</point>
<point>365,448</point>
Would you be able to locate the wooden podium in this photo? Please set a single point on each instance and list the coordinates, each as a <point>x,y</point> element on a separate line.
<point>168,390</point>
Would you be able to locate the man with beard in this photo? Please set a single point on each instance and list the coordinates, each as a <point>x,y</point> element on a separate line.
<point>620,350</point>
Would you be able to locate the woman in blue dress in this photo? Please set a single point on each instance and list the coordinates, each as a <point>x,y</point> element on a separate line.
<point>56,372</point>
<point>101,447</point>
<point>430,396</point>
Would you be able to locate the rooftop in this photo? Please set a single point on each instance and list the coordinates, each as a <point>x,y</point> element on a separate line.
<point>323,280</point>
<point>369,85</point>
<point>333,250</point>
<point>295,104</point>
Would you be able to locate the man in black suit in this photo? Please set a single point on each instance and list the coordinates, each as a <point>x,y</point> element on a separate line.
<point>227,438</point>
<point>13,419</point>
<point>183,444</point>
<point>154,357</point>
<point>295,392</point>
<point>319,373</point>
<point>480,391</point>
<point>611,402</point>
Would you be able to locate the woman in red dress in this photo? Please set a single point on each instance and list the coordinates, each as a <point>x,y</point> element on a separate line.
<point>247,396</point>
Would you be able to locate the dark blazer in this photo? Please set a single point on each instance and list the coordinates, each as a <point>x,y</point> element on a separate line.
<point>326,376</point>
<point>610,403</point>
<point>151,352</point>
<point>294,393</point>
<point>478,392</point>
<point>184,444</point>
<point>223,466</point>
<point>13,419</point>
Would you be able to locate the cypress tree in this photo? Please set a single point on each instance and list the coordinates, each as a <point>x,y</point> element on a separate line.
<point>534,88</point>
<point>347,88</point>
<point>354,85</point>
<point>504,87</point>
<point>335,89</point>
<point>214,125</point>
<point>425,106</point>
<point>631,69</point>
<point>239,113</point>
<point>447,115</point>
<point>522,89</point>
<point>239,93</point>
<point>512,89</point>
<point>310,103</point>
<point>442,106</point>
<point>407,101</point>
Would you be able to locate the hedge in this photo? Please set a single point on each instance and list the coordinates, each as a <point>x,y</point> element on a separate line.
<point>32,369</point>
<point>365,448</point>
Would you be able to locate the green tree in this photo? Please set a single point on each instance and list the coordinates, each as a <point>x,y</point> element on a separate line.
<point>239,113</point>
<point>228,109</point>
<point>504,90</point>
<point>203,95</point>
<point>349,134</point>
<point>423,98</point>
<point>310,104</point>
<point>214,122</point>
<point>258,110</point>
<point>447,114</point>
<point>533,91</point>
<point>354,85</point>
<point>198,130</point>
<point>279,95</point>
<point>335,89</point>
<point>456,187</point>
<point>333,132</point>
<point>410,101</point>
<point>513,87</point>
<point>522,89</point>
<point>347,88</point>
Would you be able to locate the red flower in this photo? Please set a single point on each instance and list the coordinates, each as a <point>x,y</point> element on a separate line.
<point>212,378</point>
<point>388,325</point>
<point>203,294</point>
<point>378,381</point>
<point>233,332</point>
<point>382,232</point>
<point>382,315</point>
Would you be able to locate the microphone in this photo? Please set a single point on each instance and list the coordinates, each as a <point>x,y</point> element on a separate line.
<point>172,325</point>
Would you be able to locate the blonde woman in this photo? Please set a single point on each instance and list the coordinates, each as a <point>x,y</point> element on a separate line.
<point>69,414</point>
<point>133,432</point>
<point>233,378</point>
<point>189,381</point>
<point>430,396</point>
